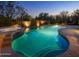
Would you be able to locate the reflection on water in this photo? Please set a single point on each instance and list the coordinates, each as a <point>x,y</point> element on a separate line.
<point>38,24</point>
<point>38,28</point>
<point>42,27</point>
<point>27,29</point>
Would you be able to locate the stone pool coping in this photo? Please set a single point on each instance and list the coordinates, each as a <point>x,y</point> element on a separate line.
<point>7,37</point>
<point>71,36</point>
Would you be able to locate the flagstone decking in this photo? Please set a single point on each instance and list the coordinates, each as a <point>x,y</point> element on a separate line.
<point>72,36</point>
<point>6,38</point>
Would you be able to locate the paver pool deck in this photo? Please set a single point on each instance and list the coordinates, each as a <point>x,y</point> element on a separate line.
<point>72,36</point>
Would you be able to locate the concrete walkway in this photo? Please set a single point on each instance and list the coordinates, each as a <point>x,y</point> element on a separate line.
<point>72,36</point>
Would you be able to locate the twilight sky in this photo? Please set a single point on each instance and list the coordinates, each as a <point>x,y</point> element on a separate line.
<point>51,7</point>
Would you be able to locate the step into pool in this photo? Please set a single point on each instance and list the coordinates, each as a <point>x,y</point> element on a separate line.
<point>41,42</point>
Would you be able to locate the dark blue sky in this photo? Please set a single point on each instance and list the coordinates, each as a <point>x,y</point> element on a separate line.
<point>51,7</point>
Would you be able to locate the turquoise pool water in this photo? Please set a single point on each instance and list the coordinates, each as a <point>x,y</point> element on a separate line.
<point>44,41</point>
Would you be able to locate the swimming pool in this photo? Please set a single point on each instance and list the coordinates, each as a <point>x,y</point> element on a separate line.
<point>44,41</point>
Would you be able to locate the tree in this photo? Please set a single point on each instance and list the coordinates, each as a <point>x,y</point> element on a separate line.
<point>22,15</point>
<point>2,7</point>
<point>43,16</point>
<point>64,16</point>
<point>50,19</point>
<point>27,17</point>
<point>21,12</point>
<point>75,16</point>
<point>9,10</point>
<point>58,19</point>
<point>6,12</point>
